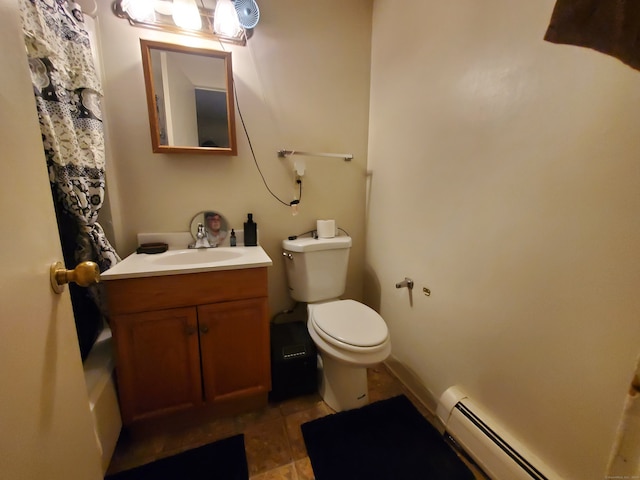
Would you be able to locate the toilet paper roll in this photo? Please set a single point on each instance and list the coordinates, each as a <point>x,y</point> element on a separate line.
<point>326,228</point>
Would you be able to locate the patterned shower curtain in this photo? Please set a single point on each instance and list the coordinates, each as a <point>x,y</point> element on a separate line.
<point>68,95</point>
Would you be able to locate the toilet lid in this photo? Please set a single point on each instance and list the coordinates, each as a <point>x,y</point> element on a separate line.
<point>350,322</point>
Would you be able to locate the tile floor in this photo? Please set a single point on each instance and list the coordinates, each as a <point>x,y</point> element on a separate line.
<point>273,440</point>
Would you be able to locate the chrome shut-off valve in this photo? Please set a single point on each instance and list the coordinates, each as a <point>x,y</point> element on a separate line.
<point>407,282</point>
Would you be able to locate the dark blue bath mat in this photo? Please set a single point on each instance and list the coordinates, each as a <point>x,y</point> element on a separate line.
<point>386,440</point>
<point>221,460</point>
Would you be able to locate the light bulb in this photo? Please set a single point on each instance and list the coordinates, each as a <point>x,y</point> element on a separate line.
<point>225,19</point>
<point>186,14</point>
<point>163,7</point>
<point>140,10</point>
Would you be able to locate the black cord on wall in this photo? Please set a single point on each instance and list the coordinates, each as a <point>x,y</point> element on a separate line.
<point>246,133</point>
<point>293,203</point>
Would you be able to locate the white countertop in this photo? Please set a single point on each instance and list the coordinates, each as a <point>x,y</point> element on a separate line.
<point>150,265</point>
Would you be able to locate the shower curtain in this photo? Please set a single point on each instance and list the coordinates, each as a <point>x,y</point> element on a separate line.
<point>624,461</point>
<point>68,94</point>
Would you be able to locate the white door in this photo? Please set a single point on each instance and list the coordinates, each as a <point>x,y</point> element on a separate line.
<point>46,429</point>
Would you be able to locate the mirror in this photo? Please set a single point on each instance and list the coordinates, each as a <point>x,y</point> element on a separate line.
<point>216,229</point>
<point>189,98</point>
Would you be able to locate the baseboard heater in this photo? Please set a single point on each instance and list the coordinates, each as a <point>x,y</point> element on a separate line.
<point>499,455</point>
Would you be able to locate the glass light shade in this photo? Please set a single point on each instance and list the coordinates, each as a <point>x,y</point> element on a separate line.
<point>140,10</point>
<point>164,7</point>
<point>225,19</point>
<point>186,14</point>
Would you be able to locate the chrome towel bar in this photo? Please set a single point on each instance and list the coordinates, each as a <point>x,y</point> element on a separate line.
<point>286,152</point>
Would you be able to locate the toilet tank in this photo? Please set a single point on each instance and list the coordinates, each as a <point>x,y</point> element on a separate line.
<point>316,268</point>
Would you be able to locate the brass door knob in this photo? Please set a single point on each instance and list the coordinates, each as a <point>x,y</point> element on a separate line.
<point>85,274</point>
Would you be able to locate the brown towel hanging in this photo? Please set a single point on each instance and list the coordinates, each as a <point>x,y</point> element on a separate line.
<point>608,26</point>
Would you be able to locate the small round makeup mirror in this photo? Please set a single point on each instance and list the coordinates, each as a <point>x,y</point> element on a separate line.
<point>215,226</point>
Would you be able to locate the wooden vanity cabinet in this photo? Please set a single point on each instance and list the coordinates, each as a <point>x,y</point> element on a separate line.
<point>190,341</point>
<point>235,357</point>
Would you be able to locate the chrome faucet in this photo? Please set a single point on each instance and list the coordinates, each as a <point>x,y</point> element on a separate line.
<point>201,238</point>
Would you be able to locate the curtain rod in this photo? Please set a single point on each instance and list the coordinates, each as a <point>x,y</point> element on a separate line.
<point>347,156</point>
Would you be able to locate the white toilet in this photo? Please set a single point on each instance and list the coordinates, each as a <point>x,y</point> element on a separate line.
<point>349,335</point>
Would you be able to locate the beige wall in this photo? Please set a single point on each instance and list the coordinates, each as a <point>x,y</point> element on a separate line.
<point>505,178</point>
<point>302,83</point>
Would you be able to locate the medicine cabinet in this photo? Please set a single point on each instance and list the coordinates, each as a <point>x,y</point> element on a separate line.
<point>189,99</point>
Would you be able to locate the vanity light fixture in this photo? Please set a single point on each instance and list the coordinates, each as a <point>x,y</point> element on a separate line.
<point>225,19</point>
<point>185,17</point>
<point>139,10</point>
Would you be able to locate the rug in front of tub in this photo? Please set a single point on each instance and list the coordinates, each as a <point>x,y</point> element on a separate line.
<point>386,440</point>
<point>222,460</point>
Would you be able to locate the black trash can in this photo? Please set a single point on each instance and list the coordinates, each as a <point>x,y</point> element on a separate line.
<point>294,370</point>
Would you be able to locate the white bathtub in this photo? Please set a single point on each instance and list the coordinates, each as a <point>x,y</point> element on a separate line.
<point>98,375</point>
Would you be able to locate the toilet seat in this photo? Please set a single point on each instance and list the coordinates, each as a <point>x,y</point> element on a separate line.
<point>350,325</point>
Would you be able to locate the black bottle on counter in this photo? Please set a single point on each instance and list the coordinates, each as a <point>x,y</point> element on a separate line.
<point>250,232</point>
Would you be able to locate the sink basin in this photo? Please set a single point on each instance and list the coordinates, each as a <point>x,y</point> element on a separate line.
<point>196,256</point>
<point>176,262</point>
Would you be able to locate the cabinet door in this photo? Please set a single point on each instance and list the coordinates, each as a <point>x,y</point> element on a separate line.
<point>234,346</point>
<point>158,363</point>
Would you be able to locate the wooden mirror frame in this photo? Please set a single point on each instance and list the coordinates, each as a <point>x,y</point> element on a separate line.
<point>151,90</point>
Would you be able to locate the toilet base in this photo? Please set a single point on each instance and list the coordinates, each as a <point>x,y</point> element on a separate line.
<point>343,387</point>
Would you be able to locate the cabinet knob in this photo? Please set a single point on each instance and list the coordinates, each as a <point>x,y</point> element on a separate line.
<point>204,329</point>
<point>191,329</point>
